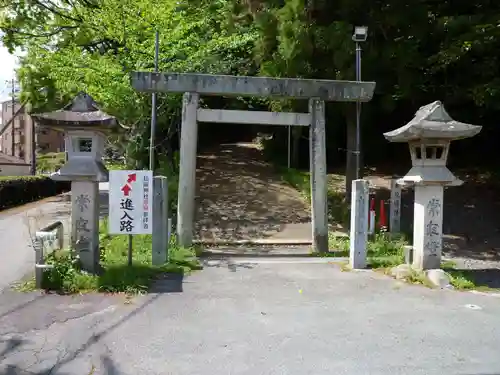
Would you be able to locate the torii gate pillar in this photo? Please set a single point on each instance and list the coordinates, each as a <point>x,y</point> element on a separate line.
<point>316,91</point>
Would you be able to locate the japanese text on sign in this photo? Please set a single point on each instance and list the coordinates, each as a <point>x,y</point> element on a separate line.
<point>130,202</point>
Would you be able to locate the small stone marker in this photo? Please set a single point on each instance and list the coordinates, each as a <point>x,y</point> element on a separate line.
<point>395,207</point>
<point>439,278</point>
<point>359,224</point>
<point>160,221</point>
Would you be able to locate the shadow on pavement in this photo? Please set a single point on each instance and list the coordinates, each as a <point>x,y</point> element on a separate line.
<point>107,365</point>
<point>21,306</point>
<point>226,263</point>
<point>168,283</point>
<point>15,344</point>
<point>11,344</point>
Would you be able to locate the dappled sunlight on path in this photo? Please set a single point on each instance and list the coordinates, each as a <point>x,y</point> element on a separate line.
<point>241,197</point>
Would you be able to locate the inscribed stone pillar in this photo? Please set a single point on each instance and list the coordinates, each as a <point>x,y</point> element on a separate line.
<point>160,221</point>
<point>395,207</point>
<point>427,230</point>
<point>359,224</point>
<point>85,223</point>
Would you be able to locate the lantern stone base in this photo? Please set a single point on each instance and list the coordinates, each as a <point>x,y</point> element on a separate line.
<point>427,227</point>
<point>85,223</point>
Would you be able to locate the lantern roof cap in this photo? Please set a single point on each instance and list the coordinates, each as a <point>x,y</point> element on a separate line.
<point>432,121</point>
<point>82,113</point>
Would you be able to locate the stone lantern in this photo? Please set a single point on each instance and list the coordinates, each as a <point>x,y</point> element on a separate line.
<point>429,135</point>
<point>84,126</point>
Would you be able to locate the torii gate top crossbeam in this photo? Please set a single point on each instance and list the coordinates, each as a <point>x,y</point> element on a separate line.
<point>209,84</point>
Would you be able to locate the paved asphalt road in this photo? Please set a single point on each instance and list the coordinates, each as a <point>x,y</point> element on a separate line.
<point>255,318</point>
<point>17,226</point>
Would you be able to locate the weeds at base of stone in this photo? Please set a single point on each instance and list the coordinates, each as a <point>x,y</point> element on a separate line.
<point>419,278</point>
<point>117,276</point>
<point>415,277</point>
<point>384,252</point>
<point>382,249</point>
<point>460,280</point>
<point>345,267</point>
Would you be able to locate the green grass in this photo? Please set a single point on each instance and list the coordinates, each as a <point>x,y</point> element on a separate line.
<point>338,208</point>
<point>462,279</point>
<point>382,250</point>
<point>116,276</point>
<point>117,166</point>
<point>298,179</point>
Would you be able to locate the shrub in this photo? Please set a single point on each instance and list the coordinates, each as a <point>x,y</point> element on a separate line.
<point>15,191</point>
<point>50,162</point>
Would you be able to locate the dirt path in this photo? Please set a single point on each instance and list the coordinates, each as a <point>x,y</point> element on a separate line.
<point>240,197</point>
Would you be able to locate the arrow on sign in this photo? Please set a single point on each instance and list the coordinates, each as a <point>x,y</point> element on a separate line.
<point>131,178</point>
<point>126,190</point>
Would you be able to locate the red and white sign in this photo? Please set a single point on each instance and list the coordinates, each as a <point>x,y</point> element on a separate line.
<point>130,202</point>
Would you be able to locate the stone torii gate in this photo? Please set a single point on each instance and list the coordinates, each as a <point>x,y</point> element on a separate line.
<point>316,91</point>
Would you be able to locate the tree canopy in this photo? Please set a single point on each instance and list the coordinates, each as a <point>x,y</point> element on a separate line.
<point>417,51</point>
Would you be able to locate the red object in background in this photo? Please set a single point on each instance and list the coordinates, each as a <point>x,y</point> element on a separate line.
<point>372,208</point>
<point>383,218</point>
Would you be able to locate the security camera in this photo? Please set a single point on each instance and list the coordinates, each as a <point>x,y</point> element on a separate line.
<point>360,33</point>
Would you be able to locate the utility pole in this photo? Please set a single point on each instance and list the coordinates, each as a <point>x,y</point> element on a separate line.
<point>153,110</point>
<point>359,36</point>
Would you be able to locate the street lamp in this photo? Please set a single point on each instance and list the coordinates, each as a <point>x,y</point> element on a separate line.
<point>359,36</point>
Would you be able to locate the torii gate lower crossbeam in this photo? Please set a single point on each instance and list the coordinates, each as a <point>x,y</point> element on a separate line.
<point>317,91</point>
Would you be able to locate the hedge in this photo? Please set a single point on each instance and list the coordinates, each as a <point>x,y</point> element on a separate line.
<point>15,191</point>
